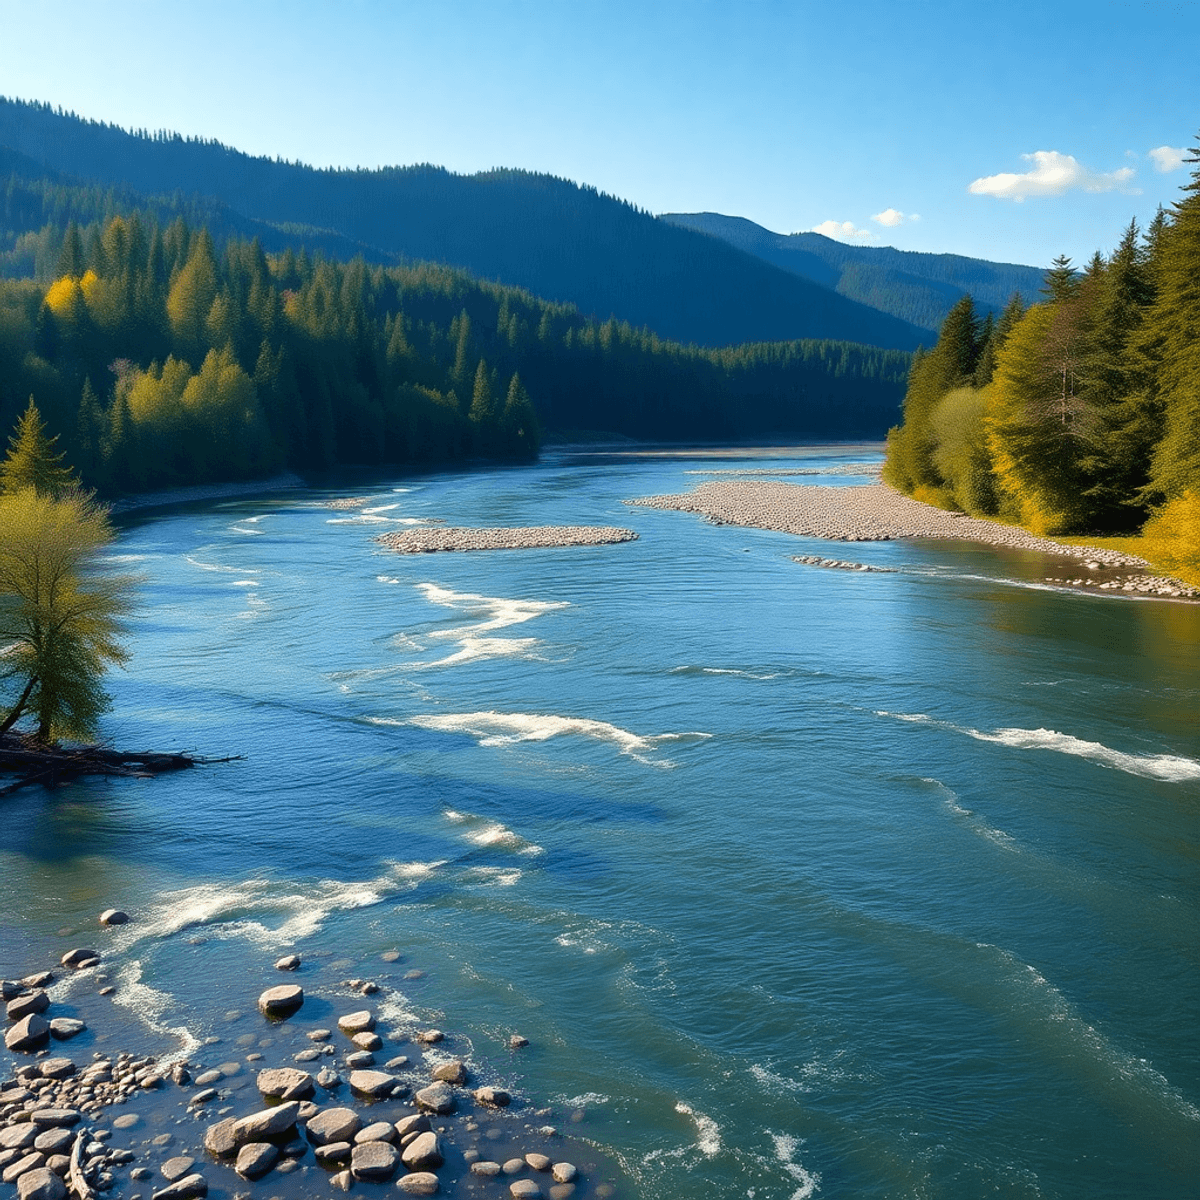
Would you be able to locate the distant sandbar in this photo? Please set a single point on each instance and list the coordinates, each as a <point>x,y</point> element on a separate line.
<point>531,537</point>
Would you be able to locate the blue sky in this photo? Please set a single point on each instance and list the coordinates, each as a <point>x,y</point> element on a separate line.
<point>1013,132</point>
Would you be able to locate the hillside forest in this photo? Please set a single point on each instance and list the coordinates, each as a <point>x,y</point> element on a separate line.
<point>161,359</point>
<point>1079,414</point>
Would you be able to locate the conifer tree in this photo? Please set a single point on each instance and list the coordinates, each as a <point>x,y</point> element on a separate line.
<point>32,461</point>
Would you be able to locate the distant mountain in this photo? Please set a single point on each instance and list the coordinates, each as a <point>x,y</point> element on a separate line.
<point>559,240</point>
<point>918,288</point>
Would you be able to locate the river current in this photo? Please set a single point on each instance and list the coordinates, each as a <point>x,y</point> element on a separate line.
<point>800,882</point>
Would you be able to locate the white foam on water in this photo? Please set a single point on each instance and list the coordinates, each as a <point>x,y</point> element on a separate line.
<point>380,508</point>
<point>708,1132</point>
<point>786,1145</point>
<point>240,528</point>
<point>584,1100</point>
<point>244,583</point>
<point>203,566</point>
<point>507,729</point>
<point>124,558</point>
<point>360,519</point>
<point>484,832</point>
<point>386,579</point>
<point>474,648</point>
<point>497,876</point>
<point>975,823</point>
<point>687,670</point>
<point>1170,768</point>
<point>264,911</point>
<point>150,1005</point>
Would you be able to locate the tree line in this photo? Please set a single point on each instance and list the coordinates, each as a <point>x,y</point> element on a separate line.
<point>1079,414</point>
<point>162,358</point>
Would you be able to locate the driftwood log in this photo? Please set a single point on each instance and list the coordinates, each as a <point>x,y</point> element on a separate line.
<point>50,764</point>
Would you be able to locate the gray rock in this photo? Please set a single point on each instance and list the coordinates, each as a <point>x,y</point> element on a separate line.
<point>255,1159</point>
<point>419,1183</point>
<point>333,1152</point>
<point>17,1137</point>
<point>524,1189</point>
<point>333,1125</point>
<point>289,962</point>
<point>56,1068</point>
<point>177,1167</point>
<point>437,1097</point>
<point>51,1141</point>
<point>309,1054</point>
<point>267,1123</point>
<point>286,1083</point>
<point>377,1131</point>
<point>430,1037</point>
<point>319,1035</point>
<point>296,1148</point>
<point>40,1184</point>
<point>39,979</point>
<point>328,1079</point>
<point>113,916</point>
<point>357,1022</point>
<point>398,1063</point>
<point>417,1123</point>
<point>564,1172</point>
<point>29,1161</point>
<point>60,1164</point>
<point>36,1001</point>
<point>49,1118</point>
<point>451,1072</point>
<point>360,1060</point>
<point>10,989</point>
<point>281,1001</point>
<point>493,1097</point>
<point>77,958</point>
<point>190,1187</point>
<point>486,1168</point>
<point>514,1166</point>
<point>367,1041</point>
<point>204,1096</point>
<point>517,1041</point>
<point>538,1162</point>
<point>423,1153</point>
<point>374,1162</point>
<point>66,1027</point>
<point>375,1084</point>
<point>220,1139</point>
<point>206,1078</point>
<point>343,1181</point>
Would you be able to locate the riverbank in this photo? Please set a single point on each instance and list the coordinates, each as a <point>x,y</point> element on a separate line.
<point>301,1103</point>
<point>877,512</point>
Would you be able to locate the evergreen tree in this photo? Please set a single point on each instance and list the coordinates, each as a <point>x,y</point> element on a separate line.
<point>32,462</point>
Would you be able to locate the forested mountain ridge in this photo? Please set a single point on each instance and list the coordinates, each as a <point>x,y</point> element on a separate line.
<point>916,287</point>
<point>559,240</point>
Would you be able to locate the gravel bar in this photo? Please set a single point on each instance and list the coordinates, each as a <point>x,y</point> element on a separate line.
<point>878,513</point>
<point>532,537</point>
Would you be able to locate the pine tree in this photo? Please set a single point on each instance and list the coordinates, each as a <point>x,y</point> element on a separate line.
<point>519,423</point>
<point>32,462</point>
<point>1062,280</point>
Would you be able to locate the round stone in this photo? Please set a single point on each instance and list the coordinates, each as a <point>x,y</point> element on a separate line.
<point>419,1183</point>
<point>113,916</point>
<point>281,1001</point>
<point>524,1189</point>
<point>357,1022</point>
<point>374,1162</point>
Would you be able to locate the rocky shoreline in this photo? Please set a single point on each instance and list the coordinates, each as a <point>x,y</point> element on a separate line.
<point>877,512</point>
<point>303,1106</point>
<point>532,537</point>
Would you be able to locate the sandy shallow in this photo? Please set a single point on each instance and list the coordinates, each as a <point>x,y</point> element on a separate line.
<point>532,537</point>
<point>876,512</point>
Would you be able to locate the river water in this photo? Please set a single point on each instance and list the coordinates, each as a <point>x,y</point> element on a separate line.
<point>800,882</point>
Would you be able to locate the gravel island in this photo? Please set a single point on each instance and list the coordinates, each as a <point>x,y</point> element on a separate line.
<point>533,537</point>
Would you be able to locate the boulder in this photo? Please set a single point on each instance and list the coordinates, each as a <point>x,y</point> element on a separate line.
<point>36,1001</point>
<point>332,1152</point>
<point>417,1123</point>
<point>177,1167</point>
<point>524,1189</point>
<point>333,1125</point>
<point>538,1162</point>
<point>29,1161</point>
<point>113,916</point>
<point>56,1068</point>
<point>53,1118</point>
<point>430,1037</point>
<point>40,1184</point>
<point>51,1141</point>
<point>377,1131</point>
<point>267,1123</point>
<point>328,1079</point>
<point>289,962</point>
<point>281,1001</point>
<point>39,979</point>
<point>367,1041</point>
<point>437,1097</point>
<point>77,958</point>
<point>17,1137</point>
<point>357,1022</point>
<point>517,1041</point>
<point>486,1168</point>
<point>493,1097</point>
<point>360,1060</point>
<point>66,1027</point>
<point>419,1183</point>
<point>343,1181</point>
<point>190,1187</point>
<point>286,1083</point>
<point>564,1172</point>
<point>220,1138</point>
<point>374,1162</point>
<point>60,1164</point>
<point>451,1072</point>
<point>319,1035</point>
<point>375,1084</point>
<point>255,1159</point>
<point>423,1153</point>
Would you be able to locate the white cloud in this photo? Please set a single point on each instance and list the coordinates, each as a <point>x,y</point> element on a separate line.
<point>843,231</point>
<point>1167,158</point>
<point>1052,174</point>
<point>891,217</point>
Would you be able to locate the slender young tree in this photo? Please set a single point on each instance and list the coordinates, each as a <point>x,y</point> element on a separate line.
<point>32,462</point>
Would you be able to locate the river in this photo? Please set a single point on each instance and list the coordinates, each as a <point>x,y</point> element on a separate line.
<point>800,882</point>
